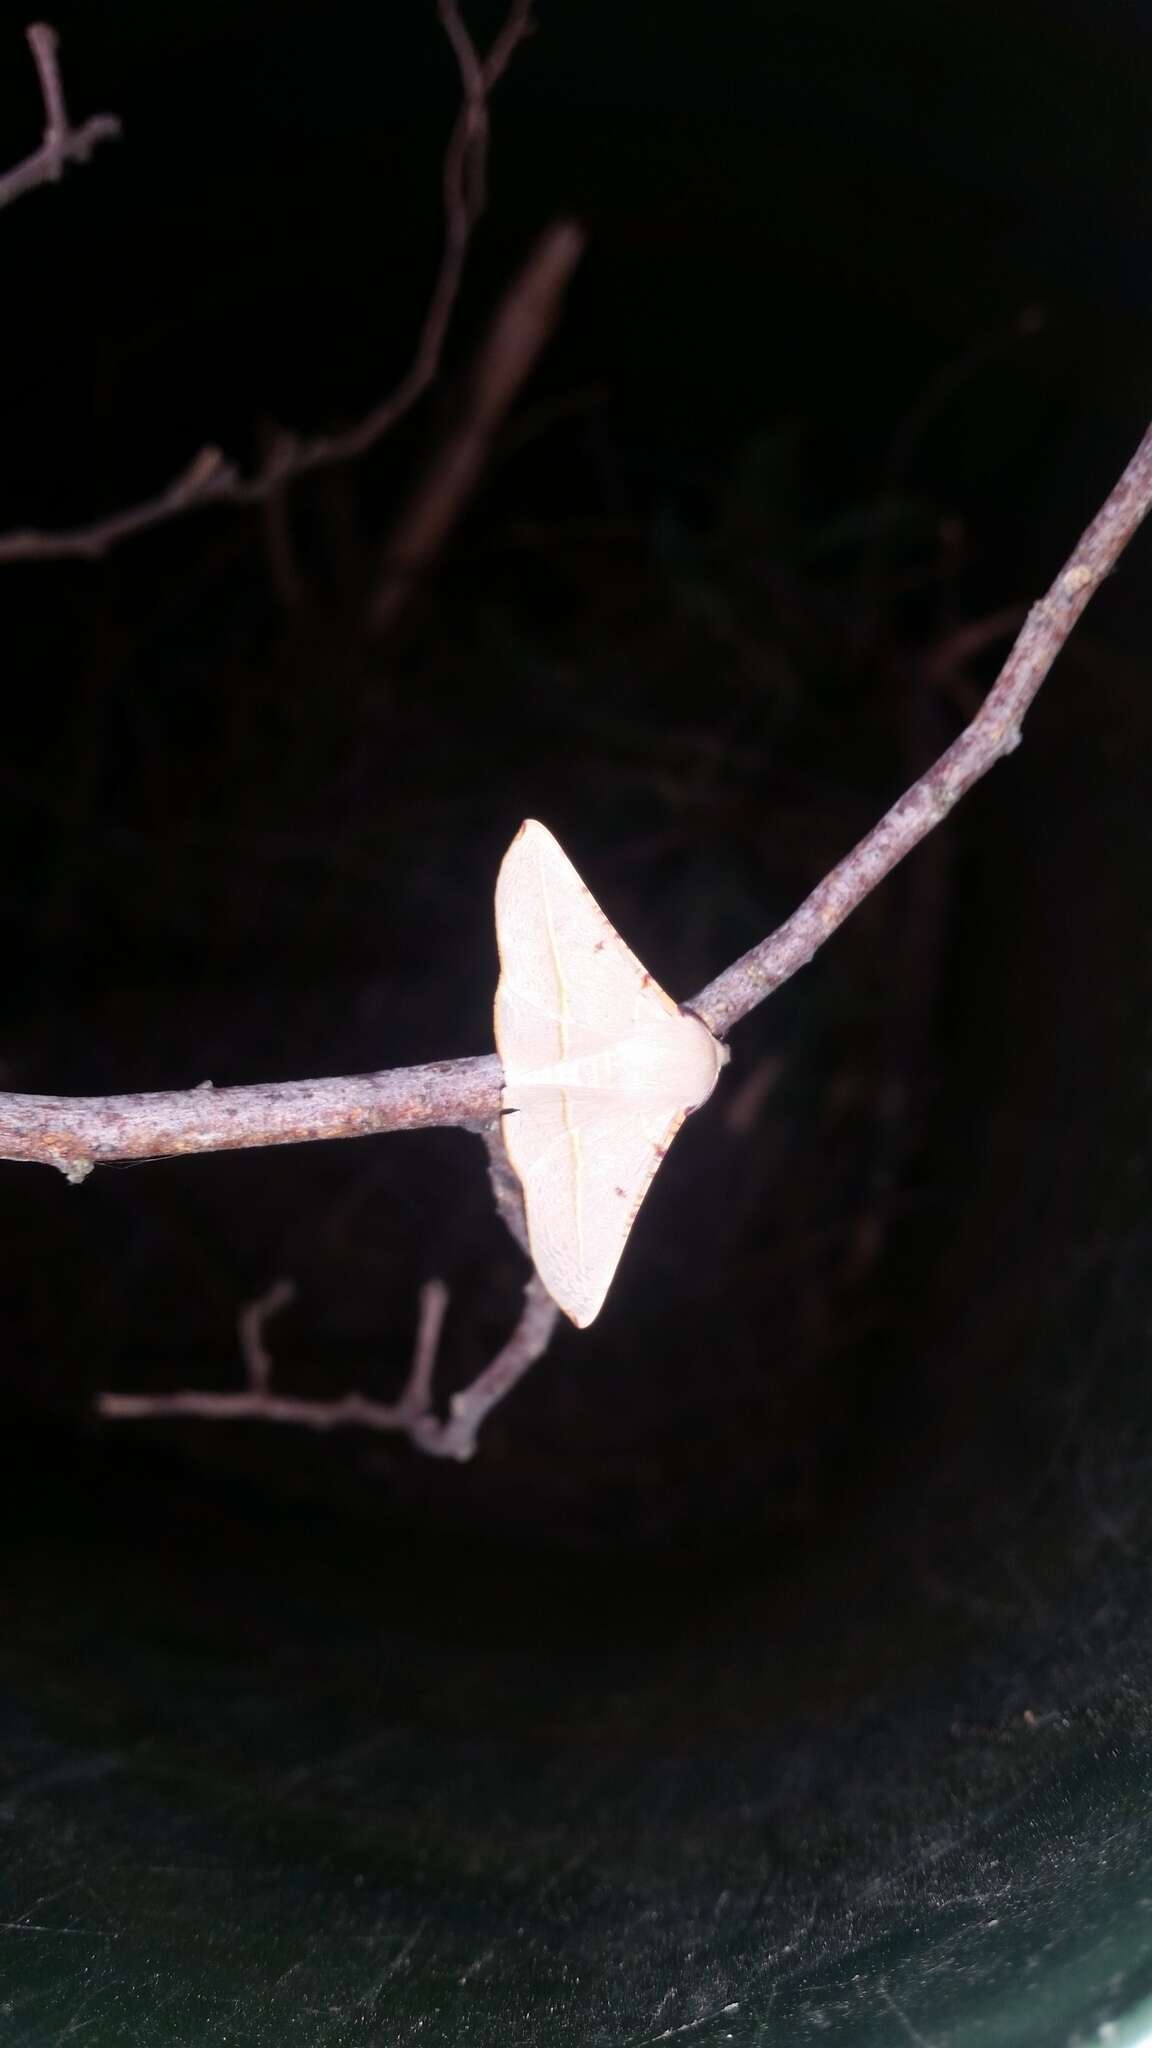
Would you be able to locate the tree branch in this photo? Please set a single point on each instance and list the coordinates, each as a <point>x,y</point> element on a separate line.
<point>210,479</point>
<point>993,732</point>
<point>62,144</point>
<point>412,1414</point>
<point>506,357</point>
<point>75,1133</point>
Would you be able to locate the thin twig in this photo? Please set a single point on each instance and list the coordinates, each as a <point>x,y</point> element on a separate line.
<point>251,1324</point>
<point>994,732</point>
<point>210,479</point>
<point>509,351</point>
<point>412,1414</point>
<point>417,1395</point>
<point>456,1438</point>
<point>259,1404</point>
<point>62,144</point>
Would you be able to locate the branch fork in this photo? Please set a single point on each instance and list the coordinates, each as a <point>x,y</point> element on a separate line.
<point>62,144</point>
<point>412,1414</point>
<point>210,479</point>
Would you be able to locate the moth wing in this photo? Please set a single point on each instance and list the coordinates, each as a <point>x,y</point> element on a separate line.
<point>585,1160</point>
<point>568,983</point>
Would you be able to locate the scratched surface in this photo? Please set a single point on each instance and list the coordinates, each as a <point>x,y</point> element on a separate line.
<point>253,1791</point>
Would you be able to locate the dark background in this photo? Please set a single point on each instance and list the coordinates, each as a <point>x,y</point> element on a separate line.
<point>711,1681</point>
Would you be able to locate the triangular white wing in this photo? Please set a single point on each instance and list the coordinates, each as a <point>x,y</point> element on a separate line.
<point>568,983</point>
<point>585,1165</point>
<point>600,1069</point>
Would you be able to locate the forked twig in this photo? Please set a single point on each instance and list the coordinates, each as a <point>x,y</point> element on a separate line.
<point>456,1438</point>
<point>62,143</point>
<point>210,478</point>
<point>412,1414</point>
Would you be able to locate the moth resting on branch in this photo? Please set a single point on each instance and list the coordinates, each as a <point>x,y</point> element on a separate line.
<point>469,1092</point>
<point>600,1070</point>
<point>568,1086</point>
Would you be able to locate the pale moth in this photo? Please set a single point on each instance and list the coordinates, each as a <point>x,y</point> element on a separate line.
<point>600,1070</point>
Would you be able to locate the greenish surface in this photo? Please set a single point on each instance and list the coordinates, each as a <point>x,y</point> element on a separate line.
<point>263,1792</point>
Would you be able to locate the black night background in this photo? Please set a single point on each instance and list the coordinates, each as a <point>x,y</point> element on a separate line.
<point>777,1668</point>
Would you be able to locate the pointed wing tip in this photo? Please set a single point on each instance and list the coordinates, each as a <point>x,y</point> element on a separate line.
<point>580,1319</point>
<point>577,1310</point>
<point>531,837</point>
